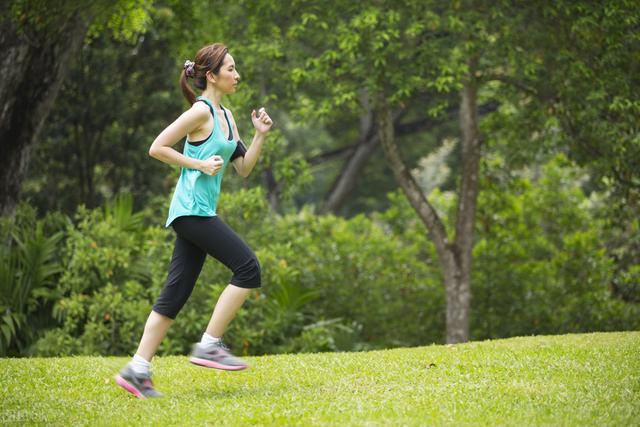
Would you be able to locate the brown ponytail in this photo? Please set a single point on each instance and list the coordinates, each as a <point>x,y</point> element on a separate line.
<point>209,58</point>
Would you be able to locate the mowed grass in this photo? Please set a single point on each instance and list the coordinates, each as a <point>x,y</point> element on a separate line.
<point>588,379</point>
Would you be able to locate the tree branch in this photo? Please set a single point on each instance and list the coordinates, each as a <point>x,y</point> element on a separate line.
<point>417,199</point>
<point>337,153</point>
<point>511,81</point>
<point>400,129</point>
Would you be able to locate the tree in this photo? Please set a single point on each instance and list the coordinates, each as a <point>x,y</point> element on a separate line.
<point>118,95</point>
<point>376,59</point>
<point>39,40</point>
<point>585,75</point>
<point>363,54</point>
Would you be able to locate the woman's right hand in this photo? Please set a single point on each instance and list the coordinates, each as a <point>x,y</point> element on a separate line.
<point>212,165</point>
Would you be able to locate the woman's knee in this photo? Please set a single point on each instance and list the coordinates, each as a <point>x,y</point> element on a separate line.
<point>170,306</point>
<point>248,275</point>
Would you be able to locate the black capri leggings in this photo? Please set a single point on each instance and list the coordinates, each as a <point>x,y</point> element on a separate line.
<point>196,237</point>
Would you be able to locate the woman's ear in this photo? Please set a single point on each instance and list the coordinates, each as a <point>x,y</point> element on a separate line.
<point>211,77</point>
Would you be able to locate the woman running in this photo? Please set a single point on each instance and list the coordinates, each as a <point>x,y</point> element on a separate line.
<point>212,142</point>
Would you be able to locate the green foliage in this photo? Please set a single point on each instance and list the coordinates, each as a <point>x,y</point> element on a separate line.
<point>621,232</point>
<point>29,266</point>
<point>113,268</point>
<point>109,321</point>
<point>540,260</point>
<point>331,283</point>
<point>540,263</point>
<point>126,19</point>
<point>366,276</point>
<point>95,147</point>
<point>578,80</point>
<point>119,213</point>
<point>101,248</point>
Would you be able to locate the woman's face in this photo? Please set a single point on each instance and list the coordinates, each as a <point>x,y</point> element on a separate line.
<point>227,78</point>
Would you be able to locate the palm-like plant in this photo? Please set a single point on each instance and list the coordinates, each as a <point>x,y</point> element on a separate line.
<point>120,212</point>
<point>28,266</point>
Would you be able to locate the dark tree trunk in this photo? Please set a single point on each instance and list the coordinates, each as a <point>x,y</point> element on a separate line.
<point>31,72</point>
<point>274,188</point>
<point>459,286</point>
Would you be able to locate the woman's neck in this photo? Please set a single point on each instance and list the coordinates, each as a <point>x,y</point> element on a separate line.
<point>213,95</point>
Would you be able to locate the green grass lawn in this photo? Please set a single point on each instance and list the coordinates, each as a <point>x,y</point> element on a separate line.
<point>590,379</point>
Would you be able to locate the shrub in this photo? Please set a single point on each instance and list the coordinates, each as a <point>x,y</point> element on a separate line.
<point>331,283</point>
<point>29,265</point>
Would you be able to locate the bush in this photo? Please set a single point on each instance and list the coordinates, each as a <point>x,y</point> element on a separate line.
<point>540,264</point>
<point>29,266</point>
<point>113,267</point>
<point>331,283</point>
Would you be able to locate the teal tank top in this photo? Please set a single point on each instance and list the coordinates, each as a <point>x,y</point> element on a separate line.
<point>197,193</point>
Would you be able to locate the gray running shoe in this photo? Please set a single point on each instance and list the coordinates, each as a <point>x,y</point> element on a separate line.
<point>140,385</point>
<point>216,356</point>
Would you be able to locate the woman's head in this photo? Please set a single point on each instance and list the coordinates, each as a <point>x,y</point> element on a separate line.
<point>212,65</point>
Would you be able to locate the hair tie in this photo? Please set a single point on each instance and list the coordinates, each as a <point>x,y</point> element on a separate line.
<point>189,71</point>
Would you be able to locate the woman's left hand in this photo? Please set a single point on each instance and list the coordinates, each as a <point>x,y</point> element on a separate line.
<point>261,121</point>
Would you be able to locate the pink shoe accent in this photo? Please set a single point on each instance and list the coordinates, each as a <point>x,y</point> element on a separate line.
<point>131,389</point>
<point>211,364</point>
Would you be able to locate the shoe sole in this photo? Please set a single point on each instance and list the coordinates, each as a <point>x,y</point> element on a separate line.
<point>129,387</point>
<point>211,364</point>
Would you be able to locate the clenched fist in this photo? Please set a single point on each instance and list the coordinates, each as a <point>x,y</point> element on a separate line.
<point>212,165</point>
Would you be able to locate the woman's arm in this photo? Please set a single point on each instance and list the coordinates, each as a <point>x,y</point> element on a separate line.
<point>262,123</point>
<point>162,147</point>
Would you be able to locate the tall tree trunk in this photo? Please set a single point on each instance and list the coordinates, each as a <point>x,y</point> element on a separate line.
<point>274,188</point>
<point>454,258</point>
<point>31,73</point>
<point>426,212</point>
<point>459,290</point>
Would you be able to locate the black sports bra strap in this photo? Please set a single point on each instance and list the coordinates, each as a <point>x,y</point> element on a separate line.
<point>208,105</point>
<point>224,110</point>
<point>210,109</point>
